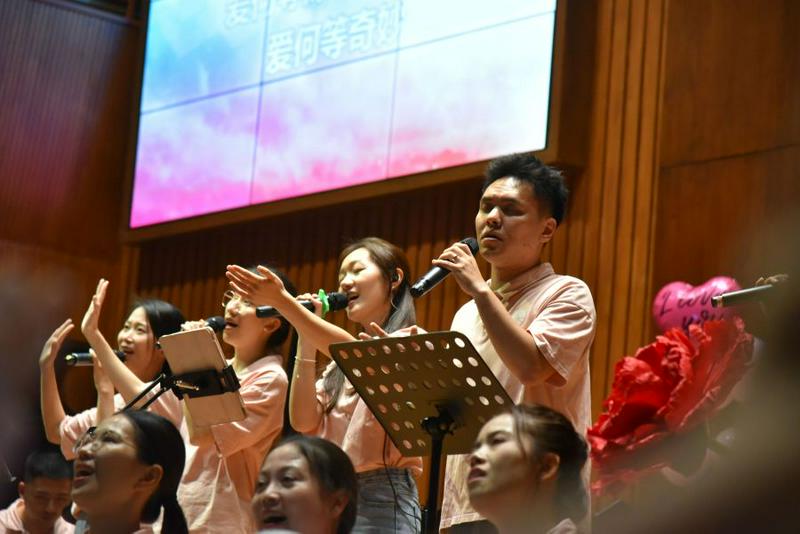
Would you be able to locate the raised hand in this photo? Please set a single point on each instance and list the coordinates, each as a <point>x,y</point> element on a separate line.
<point>89,324</point>
<point>262,289</point>
<point>54,342</point>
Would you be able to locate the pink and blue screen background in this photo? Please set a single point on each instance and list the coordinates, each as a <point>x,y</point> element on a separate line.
<point>252,101</point>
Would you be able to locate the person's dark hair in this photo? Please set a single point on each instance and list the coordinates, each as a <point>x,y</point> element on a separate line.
<point>278,337</point>
<point>547,183</point>
<point>334,471</point>
<point>158,442</point>
<point>46,464</point>
<point>388,258</point>
<point>163,317</point>
<point>551,432</point>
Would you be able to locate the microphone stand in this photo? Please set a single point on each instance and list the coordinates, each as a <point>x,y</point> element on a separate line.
<point>193,384</point>
<point>431,393</point>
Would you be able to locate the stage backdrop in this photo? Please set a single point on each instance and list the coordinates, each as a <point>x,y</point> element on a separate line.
<point>250,102</point>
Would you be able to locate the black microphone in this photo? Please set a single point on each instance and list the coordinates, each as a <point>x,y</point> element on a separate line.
<point>751,294</point>
<point>216,323</point>
<point>83,359</point>
<point>336,302</point>
<point>437,274</point>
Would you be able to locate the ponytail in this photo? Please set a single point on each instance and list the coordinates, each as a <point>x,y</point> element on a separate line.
<point>551,432</point>
<point>174,521</point>
<point>572,498</point>
<point>158,442</point>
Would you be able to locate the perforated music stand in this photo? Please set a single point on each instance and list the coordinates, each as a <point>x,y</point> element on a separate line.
<point>422,389</point>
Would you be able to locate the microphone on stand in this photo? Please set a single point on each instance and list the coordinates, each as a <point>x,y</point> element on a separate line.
<point>336,301</point>
<point>84,359</point>
<point>430,279</point>
<point>742,296</point>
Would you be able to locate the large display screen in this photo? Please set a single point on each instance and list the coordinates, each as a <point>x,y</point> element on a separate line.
<point>252,101</point>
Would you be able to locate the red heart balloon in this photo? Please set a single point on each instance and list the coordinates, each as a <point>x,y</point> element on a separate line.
<point>681,304</point>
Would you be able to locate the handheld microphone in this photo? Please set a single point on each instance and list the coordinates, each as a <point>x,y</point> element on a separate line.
<point>437,274</point>
<point>751,294</point>
<point>84,359</point>
<point>336,301</point>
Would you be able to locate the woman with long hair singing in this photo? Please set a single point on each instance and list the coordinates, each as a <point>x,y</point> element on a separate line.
<point>374,275</point>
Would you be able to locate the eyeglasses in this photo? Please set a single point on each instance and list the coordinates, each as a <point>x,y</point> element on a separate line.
<point>91,437</point>
<point>232,296</point>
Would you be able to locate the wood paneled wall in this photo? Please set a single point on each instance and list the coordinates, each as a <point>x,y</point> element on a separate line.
<point>730,165</point>
<point>617,195</point>
<point>189,270</point>
<point>65,96</point>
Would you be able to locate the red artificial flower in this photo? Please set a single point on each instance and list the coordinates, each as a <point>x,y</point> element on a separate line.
<point>666,390</point>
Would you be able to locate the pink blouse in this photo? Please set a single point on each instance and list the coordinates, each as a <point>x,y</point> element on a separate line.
<point>352,426</point>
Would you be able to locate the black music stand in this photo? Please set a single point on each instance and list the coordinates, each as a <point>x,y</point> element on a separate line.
<point>423,389</point>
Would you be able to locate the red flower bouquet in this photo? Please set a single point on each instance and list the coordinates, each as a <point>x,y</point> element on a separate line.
<point>666,390</point>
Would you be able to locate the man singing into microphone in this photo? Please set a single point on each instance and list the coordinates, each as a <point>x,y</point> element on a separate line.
<point>533,327</point>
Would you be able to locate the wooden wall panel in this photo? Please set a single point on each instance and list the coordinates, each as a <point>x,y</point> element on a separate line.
<point>65,98</point>
<point>731,137</point>
<point>616,192</point>
<point>306,245</point>
<point>714,216</point>
<point>733,78</point>
<point>65,94</point>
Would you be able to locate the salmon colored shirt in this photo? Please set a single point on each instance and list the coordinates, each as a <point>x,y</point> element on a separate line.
<point>219,479</point>
<point>558,312</point>
<point>11,521</point>
<point>73,427</point>
<point>352,426</point>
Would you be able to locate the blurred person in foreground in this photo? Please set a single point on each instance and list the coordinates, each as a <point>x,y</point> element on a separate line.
<point>126,474</point>
<point>525,472</point>
<point>306,484</point>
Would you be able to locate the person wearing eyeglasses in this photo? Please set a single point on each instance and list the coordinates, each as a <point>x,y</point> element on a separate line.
<point>222,461</point>
<point>126,473</point>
